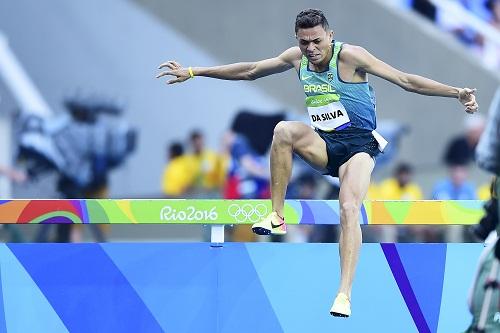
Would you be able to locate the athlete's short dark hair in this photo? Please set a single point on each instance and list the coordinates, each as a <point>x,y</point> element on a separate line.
<point>309,18</point>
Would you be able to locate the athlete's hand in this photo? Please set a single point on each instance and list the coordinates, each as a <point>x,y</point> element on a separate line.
<point>174,69</point>
<point>467,98</point>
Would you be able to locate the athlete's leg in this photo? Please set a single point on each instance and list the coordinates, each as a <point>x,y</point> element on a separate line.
<point>289,137</point>
<point>354,181</point>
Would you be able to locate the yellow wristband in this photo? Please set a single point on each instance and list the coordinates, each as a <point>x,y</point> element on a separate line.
<point>190,70</point>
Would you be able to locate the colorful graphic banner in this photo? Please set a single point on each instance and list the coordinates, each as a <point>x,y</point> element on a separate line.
<point>239,287</point>
<point>233,211</point>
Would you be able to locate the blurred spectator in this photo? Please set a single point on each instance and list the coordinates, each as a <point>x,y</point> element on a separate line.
<point>179,173</point>
<point>491,51</point>
<point>248,174</point>
<point>460,150</point>
<point>425,8</point>
<point>449,19</point>
<point>456,186</point>
<point>210,173</point>
<point>401,186</point>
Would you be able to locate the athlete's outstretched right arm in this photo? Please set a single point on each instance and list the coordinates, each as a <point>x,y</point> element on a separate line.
<point>237,71</point>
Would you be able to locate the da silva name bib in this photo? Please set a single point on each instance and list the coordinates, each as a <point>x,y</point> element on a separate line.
<point>327,113</point>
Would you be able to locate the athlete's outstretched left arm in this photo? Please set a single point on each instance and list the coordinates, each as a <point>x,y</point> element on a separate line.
<point>366,62</point>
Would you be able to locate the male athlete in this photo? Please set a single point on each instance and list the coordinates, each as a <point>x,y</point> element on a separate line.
<point>339,141</point>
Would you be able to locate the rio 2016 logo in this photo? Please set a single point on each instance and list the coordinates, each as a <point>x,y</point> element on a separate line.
<point>168,213</point>
<point>247,212</point>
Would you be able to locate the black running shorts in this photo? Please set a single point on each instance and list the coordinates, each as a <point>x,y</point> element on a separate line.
<point>344,144</point>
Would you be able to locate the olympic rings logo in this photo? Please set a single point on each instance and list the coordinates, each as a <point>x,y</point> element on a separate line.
<point>247,212</point>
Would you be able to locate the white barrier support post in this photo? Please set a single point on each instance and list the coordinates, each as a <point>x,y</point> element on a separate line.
<point>217,233</point>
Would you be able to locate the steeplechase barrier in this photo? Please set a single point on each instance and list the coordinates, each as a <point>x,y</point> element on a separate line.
<point>233,287</point>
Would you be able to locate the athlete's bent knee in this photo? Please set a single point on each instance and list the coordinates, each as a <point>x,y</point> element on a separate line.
<point>282,133</point>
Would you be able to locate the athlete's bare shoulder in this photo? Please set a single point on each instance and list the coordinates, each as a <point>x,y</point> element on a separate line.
<point>350,53</point>
<point>354,55</point>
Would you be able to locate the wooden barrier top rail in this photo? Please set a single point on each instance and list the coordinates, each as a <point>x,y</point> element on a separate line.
<point>219,212</point>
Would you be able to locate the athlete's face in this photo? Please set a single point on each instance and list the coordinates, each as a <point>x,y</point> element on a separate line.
<point>315,43</point>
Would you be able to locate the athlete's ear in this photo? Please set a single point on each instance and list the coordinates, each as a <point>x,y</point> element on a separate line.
<point>331,33</point>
